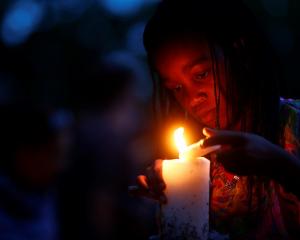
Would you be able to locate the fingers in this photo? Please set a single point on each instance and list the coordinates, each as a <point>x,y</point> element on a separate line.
<point>152,184</point>
<point>158,175</point>
<point>142,182</point>
<point>216,137</point>
<point>154,177</point>
<point>142,188</point>
<point>208,132</point>
<point>138,191</point>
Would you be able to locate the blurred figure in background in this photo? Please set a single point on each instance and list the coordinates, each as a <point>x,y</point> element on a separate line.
<point>34,144</point>
<point>109,120</point>
<point>59,63</point>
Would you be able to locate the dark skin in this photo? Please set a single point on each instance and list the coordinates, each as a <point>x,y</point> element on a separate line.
<point>185,67</point>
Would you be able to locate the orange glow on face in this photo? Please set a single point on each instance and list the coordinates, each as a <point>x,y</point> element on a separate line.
<point>185,68</point>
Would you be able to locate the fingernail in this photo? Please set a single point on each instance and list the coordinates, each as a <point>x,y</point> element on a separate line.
<point>206,131</point>
<point>201,142</point>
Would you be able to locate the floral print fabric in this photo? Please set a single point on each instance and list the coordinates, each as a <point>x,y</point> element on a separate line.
<point>255,207</point>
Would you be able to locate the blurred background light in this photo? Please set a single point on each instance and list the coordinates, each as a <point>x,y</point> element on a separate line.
<point>142,81</point>
<point>134,38</point>
<point>68,10</point>
<point>122,7</point>
<point>20,21</point>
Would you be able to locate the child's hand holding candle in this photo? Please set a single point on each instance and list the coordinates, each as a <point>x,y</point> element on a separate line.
<point>184,182</point>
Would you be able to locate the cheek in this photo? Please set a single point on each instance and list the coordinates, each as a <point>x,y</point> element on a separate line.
<point>182,99</point>
<point>202,94</point>
<point>211,99</point>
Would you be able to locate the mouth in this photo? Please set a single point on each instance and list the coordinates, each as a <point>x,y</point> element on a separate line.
<point>207,117</point>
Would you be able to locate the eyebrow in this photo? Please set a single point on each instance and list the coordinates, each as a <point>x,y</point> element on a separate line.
<point>200,60</point>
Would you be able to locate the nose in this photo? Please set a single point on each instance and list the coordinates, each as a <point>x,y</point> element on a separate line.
<point>198,99</point>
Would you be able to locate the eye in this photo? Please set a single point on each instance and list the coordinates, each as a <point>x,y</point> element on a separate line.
<point>177,88</point>
<point>200,76</point>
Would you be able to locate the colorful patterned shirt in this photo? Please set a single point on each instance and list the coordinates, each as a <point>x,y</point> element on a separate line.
<point>256,207</point>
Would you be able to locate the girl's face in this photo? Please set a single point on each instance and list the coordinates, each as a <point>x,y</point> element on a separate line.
<point>185,68</point>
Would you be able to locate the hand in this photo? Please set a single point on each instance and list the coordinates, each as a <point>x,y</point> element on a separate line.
<point>151,185</point>
<point>246,153</point>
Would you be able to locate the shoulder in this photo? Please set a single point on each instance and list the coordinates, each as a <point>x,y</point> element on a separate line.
<point>293,104</point>
<point>290,112</point>
<point>290,124</point>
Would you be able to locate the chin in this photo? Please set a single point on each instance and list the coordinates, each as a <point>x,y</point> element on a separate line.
<point>210,124</point>
<point>206,123</point>
<point>205,118</point>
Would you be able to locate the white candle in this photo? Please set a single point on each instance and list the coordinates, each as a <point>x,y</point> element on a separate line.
<point>186,215</point>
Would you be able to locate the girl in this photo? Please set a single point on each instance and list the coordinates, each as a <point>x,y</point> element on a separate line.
<point>211,62</point>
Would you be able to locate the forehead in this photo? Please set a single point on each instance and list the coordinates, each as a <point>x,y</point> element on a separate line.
<point>181,52</point>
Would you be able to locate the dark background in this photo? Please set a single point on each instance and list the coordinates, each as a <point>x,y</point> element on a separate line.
<point>117,25</point>
<point>47,48</point>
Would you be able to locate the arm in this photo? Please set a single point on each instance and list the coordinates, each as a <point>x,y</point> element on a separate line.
<point>250,154</point>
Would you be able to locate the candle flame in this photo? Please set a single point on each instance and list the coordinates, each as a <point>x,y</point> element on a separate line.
<point>179,139</point>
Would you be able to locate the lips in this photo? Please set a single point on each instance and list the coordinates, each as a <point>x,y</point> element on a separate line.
<point>207,117</point>
<point>199,100</point>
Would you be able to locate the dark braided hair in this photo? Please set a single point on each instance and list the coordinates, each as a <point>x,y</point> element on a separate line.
<point>252,76</point>
<point>252,80</point>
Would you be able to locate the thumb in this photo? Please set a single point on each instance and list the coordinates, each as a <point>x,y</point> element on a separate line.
<point>209,132</point>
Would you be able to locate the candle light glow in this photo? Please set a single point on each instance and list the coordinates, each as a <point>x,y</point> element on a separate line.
<point>185,216</point>
<point>180,141</point>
